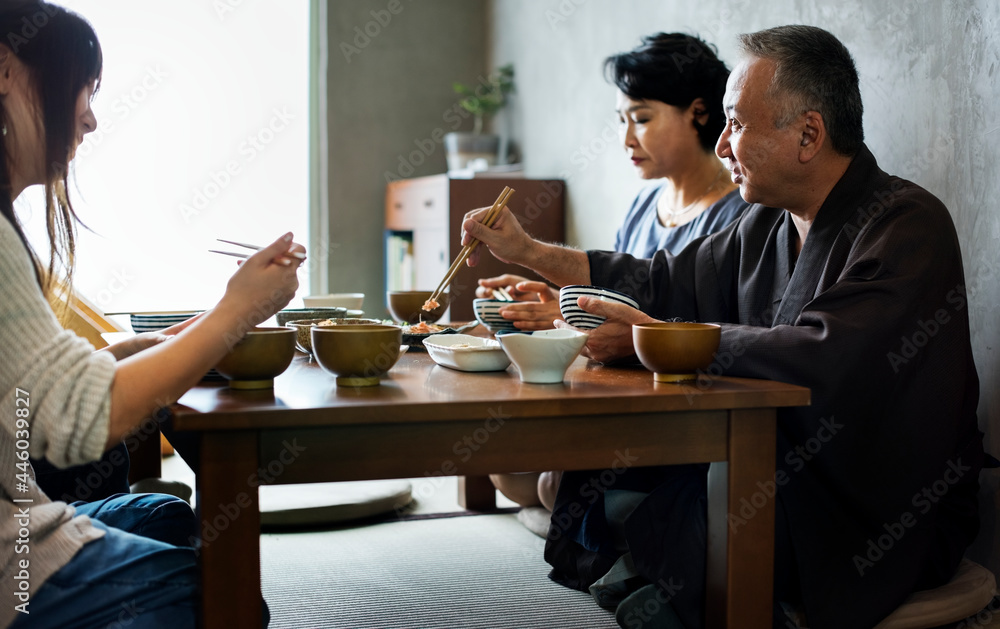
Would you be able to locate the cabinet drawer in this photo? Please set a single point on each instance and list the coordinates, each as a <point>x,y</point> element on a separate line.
<point>413,204</point>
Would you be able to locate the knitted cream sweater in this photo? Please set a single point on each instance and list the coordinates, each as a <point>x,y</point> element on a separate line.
<point>65,388</point>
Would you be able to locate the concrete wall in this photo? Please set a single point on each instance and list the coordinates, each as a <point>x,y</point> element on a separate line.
<point>932,99</point>
<point>391,64</point>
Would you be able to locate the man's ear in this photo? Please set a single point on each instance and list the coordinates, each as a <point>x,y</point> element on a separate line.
<point>812,132</point>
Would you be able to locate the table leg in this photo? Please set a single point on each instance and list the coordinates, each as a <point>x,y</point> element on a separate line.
<point>230,530</point>
<point>477,493</point>
<point>741,524</point>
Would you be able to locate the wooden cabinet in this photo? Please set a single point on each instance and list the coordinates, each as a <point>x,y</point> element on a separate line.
<point>423,222</point>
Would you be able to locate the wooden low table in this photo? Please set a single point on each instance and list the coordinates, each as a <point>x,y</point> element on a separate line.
<point>427,420</point>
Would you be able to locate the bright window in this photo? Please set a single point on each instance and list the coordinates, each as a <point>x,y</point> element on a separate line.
<point>203,121</point>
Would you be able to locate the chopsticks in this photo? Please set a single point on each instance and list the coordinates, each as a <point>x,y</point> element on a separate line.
<point>293,254</point>
<point>463,255</point>
<point>501,294</point>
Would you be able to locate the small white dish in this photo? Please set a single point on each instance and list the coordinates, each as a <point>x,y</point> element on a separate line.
<point>466,353</point>
<point>543,357</point>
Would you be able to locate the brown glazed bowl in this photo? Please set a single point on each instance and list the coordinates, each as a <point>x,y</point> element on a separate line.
<point>675,351</point>
<point>303,329</point>
<point>262,355</point>
<point>358,355</point>
<point>407,306</point>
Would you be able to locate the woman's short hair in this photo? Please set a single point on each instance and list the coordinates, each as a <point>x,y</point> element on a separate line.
<point>676,69</point>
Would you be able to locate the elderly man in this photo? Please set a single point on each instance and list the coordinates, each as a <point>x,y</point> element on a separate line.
<point>841,278</point>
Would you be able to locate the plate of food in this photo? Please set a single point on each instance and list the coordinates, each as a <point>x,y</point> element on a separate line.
<point>414,335</point>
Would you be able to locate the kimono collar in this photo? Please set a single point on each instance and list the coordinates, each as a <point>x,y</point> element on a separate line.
<point>846,204</point>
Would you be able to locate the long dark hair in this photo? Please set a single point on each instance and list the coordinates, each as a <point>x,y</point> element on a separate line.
<point>676,69</point>
<point>62,56</point>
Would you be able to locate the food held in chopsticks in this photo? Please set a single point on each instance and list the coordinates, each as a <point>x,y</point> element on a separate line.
<point>430,304</point>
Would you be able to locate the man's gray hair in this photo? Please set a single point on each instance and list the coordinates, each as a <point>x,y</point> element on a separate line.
<point>813,72</point>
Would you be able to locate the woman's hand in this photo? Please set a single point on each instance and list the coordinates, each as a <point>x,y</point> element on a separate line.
<point>265,282</point>
<point>506,239</point>
<point>537,303</point>
<point>612,340</point>
<point>135,344</point>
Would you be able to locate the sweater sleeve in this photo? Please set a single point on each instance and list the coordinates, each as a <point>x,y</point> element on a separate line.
<point>69,385</point>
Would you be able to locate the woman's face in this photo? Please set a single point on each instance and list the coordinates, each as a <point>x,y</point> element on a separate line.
<point>26,136</point>
<point>660,139</point>
<point>85,119</point>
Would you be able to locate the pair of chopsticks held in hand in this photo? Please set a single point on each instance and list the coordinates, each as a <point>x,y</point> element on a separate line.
<point>291,254</point>
<point>463,255</point>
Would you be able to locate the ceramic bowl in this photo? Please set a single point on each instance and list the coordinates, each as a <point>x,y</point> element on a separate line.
<point>407,306</point>
<point>154,322</point>
<point>487,312</point>
<point>467,353</point>
<point>676,351</point>
<point>351,301</point>
<point>542,357</point>
<point>299,314</point>
<point>358,355</point>
<point>262,355</point>
<point>576,316</point>
<point>303,329</point>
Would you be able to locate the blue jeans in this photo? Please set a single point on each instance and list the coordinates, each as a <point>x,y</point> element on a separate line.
<point>141,574</point>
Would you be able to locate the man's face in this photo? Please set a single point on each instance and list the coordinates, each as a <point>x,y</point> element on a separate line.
<point>760,156</point>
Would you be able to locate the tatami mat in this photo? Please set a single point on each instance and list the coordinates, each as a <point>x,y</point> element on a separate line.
<point>479,571</point>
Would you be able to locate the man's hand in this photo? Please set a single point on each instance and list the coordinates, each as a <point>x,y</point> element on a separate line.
<point>612,340</point>
<point>506,240</point>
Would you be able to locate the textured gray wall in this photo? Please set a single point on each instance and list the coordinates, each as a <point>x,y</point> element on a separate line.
<point>928,70</point>
<point>391,67</point>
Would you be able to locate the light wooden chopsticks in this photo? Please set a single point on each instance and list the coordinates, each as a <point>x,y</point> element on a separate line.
<point>463,255</point>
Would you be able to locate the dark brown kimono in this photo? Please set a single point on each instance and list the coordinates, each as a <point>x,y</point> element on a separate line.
<point>877,479</point>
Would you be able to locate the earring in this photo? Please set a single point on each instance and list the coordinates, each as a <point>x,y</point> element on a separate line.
<point>5,129</point>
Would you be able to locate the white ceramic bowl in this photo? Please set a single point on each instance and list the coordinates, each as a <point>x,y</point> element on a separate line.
<point>466,353</point>
<point>542,357</point>
<point>487,312</point>
<point>351,301</point>
<point>576,316</point>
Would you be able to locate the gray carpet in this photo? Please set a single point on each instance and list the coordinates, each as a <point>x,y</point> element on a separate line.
<point>479,571</point>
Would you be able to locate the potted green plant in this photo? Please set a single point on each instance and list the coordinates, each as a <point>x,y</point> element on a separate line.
<point>477,149</point>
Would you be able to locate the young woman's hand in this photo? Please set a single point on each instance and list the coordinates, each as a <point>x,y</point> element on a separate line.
<point>265,282</point>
